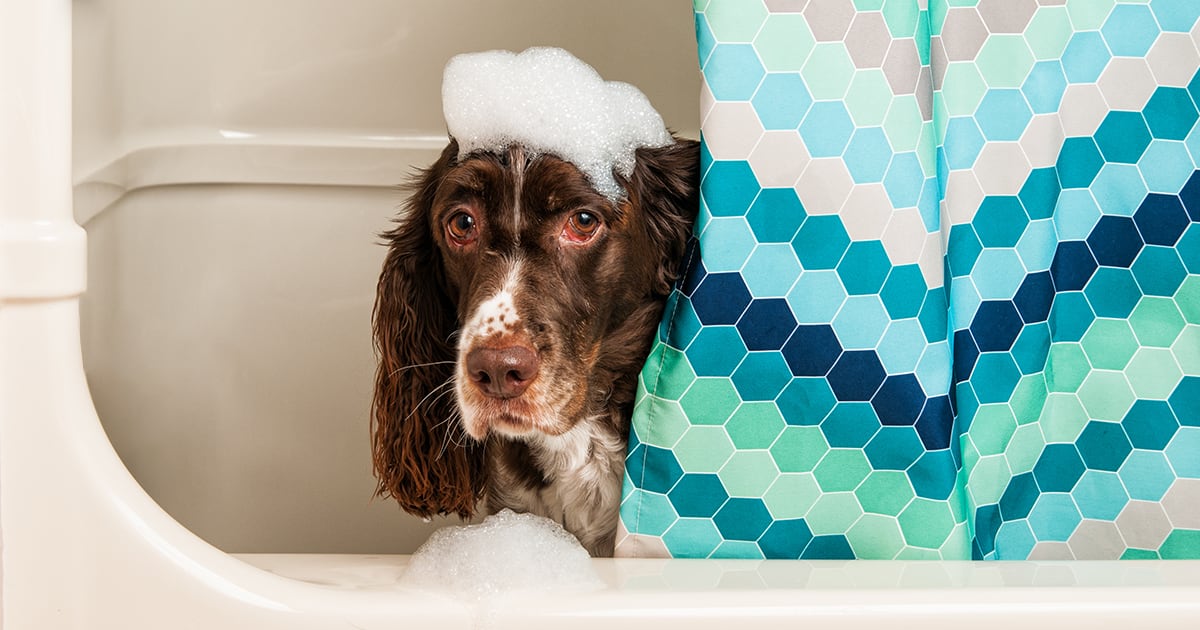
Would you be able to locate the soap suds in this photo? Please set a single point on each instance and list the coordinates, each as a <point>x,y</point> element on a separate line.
<point>507,552</point>
<point>551,102</point>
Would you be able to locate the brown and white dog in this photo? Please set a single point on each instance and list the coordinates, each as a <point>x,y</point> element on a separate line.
<point>514,310</point>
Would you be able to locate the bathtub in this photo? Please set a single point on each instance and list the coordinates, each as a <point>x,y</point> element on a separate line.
<point>192,453</point>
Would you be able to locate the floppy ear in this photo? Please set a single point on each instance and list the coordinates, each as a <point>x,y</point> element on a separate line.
<point>665,182</point>
<point>421,456</point>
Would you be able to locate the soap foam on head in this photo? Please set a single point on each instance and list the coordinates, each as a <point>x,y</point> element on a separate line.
<point>507,552</point>
<point>550,102</point>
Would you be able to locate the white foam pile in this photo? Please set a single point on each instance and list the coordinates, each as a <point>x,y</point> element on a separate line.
<point>507,552</point>
<point>551,102</point>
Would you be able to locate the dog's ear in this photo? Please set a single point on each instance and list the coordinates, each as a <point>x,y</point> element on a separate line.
<point>421,457</point>
<point>665,183</point>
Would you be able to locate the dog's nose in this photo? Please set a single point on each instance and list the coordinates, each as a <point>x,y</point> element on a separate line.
<point>502,372</point>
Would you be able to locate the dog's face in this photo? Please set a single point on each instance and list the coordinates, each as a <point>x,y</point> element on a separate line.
<point>541,268</point>
<point>514,284</point>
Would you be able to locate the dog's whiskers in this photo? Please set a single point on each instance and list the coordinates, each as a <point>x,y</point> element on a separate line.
<point>417,365</point>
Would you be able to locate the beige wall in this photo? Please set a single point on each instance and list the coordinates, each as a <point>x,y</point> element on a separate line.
<point>234,161</point>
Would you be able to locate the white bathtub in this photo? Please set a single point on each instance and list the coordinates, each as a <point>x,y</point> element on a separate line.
<point>232,162</point>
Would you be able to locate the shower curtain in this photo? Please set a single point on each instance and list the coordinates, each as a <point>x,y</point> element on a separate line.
<point>944,295</point>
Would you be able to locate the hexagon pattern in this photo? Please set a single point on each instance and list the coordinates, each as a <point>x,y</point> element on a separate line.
<point>944,295</point>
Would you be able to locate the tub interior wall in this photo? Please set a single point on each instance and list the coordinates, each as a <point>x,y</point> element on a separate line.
<point>234,162</point>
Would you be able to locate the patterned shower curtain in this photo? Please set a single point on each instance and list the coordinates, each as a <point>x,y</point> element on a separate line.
<point>944,297</point>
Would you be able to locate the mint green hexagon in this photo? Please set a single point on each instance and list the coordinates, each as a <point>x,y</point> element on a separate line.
<point>791,495</point>
<point>1066,367</point>
<point>828,71</point>
<point>842,469</point>
<point>784,42</point>
<point>989,478</point>
<point>1063,418</point>
<point>833,513</point>
<point>703,449</point>
<point>1087,15</point>
<point>1028,398</point>
<point>1109,344</point>
<point>1025,447</point>
<point>875,537</point>
<point>963,88</point>
<point>710,400</point>
<point>748,473</point>
<point>885,492</point>
<point>868,98</point>
<point>733,20</point>
<point>1187,349</point>
<point>1156,321</point>
<point>1004,61</point>
<point>1153,373</point>
<point>798,449</point>
<point>901,17</point>
<point>902,124</point>
<point>755,425</point>
<point>992,428</point>
<point>1187,297</point>
<point>1048,32</point>
<point>668,423</point>
<point>676,375</point>
<point>1106,395</point>
<point>926,523</point>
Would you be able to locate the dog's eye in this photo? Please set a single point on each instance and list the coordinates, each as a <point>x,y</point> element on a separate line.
<point>581,227</point>
<point>461,228</point>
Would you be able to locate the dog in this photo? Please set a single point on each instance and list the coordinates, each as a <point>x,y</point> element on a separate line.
<point>514,310</point>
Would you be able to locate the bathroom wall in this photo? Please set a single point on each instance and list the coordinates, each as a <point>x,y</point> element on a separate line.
<point>234,162</point>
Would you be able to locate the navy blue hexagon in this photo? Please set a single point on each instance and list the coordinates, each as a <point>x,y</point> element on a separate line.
<point>766,324</point>
<point>1161,219</point>
<point>812,350</point>
<point>1034,298</point>
<point>857,375</point>
<point>996,325</point>
<point>1115,241</point>
<point>721,299</point>
<point>899,400</point>
<point>935,426</point>
<point>1073,266</point>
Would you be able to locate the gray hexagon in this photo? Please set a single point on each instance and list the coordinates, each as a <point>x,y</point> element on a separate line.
<point>786,6</point>
<point>1143,524</point>
<point>1051,3</point>
<point>902,65</point>
<point>829,19</point>
<point>963,34</point>
<point>925,94</point>
<point>1006,16</point>
<point>938,62</point>
<point>1096,540</point>
<point>1049,550</point>
<point>1182,504</point>
<point>868,39</point>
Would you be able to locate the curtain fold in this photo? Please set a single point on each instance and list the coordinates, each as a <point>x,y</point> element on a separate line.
<point>943,299</point>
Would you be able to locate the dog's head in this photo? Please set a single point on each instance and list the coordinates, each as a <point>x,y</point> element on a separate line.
<point>513,300</point>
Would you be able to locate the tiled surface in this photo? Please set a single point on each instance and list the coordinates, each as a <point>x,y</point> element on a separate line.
<point>945,299</point>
